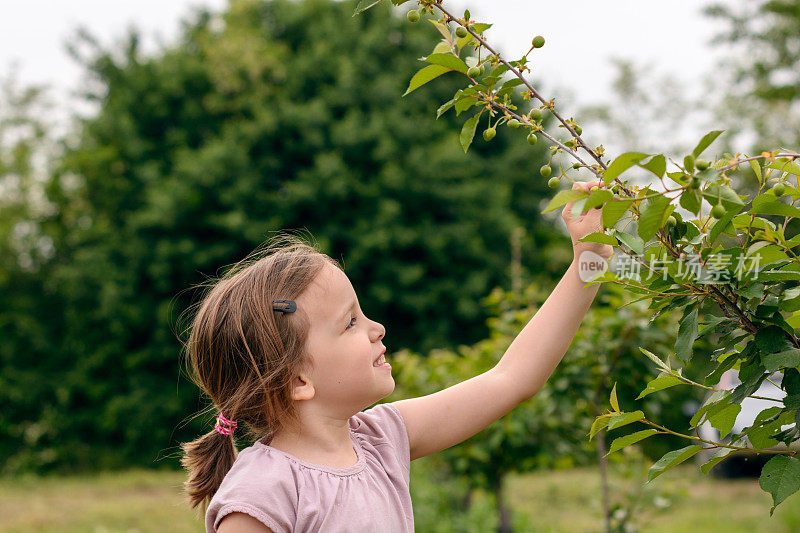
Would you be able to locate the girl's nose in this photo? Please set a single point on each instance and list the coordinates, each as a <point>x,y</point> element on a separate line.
<point>381,330</point>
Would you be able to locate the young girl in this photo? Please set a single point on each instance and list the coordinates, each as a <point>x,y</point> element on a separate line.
<point>280,344</point>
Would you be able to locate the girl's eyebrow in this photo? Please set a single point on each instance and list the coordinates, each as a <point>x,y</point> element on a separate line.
<point>346,310</point>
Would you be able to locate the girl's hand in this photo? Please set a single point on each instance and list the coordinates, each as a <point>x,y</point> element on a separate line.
<point>584,224</point>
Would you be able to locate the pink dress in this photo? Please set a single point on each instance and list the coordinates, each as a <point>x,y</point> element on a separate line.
<point>291,495</point>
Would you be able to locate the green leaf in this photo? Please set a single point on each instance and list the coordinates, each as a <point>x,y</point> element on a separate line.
<point>705,142</point>
<point>425,75</point>
<point>445,107</point>
<point>633,438</point>
<point>670,459</point>
<point>363,5</point>
<point>781,478</point>
<point>624,419</point>
<point>786,166</point>
<point>718,400</point>
<point>687,334</point>
<point>614,403</point>
<point>691,200</point>
<point>722,193</point>
<point>652,217</point>
<point>767,204</point>
<point>756,166</point>
<point>443,28</point>
<point>599,423</point>
<point>664,381</point>
<point>602,238</point>
<point>719,455</point>
<point>448,60</point>
<point>631,241</point>
<point>724,418</point>
<point>597,198</point>
<point>654,358</point>
<point>621,164</point>
<point>465,103</point>
<point>468,131</point>
<point>564,197</point>
<point>657,165</point>
<point>613,211</point>
<point>787,359</point>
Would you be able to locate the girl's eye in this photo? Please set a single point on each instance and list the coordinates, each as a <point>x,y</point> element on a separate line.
<point>351,323</point>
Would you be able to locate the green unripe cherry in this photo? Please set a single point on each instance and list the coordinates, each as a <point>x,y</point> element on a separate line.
<point>532,139</point>
<point>594,188</point>
<point>672,221</point>
<point>488,134</point>
<point>577,129</point>
<point>718,211</point>
<point>694,183</point>
<point>473,72</point>
<point>688,163</point>
<point>535,114</point>
<point>413,16</point>
<point>538,41</point>
<point>513,123</point>
<point>576,165</point>
<point>616,189</point>
<point>461,31</point>
<point>702,164</point>
<point>483,69</point>
<point>553,183</point>
<point>778,189</point>
<point>545,171</point>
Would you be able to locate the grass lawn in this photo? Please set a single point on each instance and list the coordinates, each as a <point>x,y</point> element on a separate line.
<point>562,501</point>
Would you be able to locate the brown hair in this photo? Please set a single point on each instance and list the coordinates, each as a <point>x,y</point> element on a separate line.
<point>243,354</point>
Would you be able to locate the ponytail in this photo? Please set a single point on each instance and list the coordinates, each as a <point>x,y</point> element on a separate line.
<point>206,460</point>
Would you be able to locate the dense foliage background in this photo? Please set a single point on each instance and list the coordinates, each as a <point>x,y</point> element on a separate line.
<point>253,122</point>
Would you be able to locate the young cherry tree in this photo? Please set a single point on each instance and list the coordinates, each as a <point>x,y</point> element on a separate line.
<point>727,263</point>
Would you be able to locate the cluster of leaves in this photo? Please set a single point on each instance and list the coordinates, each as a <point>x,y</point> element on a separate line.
<point>722,260</point>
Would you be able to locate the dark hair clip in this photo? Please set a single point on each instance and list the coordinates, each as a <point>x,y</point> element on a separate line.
<point>284,306</point>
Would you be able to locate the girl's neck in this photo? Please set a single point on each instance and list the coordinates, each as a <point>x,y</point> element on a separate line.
<point>318,440</point>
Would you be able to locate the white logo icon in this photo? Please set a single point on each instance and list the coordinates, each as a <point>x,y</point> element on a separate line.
<point>590,265</point>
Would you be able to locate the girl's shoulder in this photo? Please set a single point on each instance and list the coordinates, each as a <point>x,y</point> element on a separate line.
<point>381,429</point>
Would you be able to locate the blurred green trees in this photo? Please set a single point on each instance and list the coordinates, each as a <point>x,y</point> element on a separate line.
<point>272,115</point>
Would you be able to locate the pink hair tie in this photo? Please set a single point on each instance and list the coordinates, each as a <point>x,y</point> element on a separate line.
<point>225,426</point>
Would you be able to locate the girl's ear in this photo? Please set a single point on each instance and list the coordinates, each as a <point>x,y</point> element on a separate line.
<point>302,389</point>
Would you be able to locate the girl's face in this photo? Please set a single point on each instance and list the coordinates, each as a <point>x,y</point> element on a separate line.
<point>348,370</point>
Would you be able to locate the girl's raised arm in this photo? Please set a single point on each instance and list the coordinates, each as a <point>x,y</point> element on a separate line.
<point>445,418</point>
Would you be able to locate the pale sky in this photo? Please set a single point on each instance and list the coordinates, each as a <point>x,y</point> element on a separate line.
<point>581,36</point>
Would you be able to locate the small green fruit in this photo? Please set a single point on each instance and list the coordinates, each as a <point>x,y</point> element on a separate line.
<point>413,16</point>
<point>553,183</point>
<point>778,189</point>
<point>545,171</point>
<point>694,183</point>
<point>535,114</point>
<point>488,134</point>
<point>461,31</point>
<point>718,211</point>
<point>672,221</point>
<point>576,165</point>
<point>532,139</point>
<point>594,188</point>
<point>702,164</point>
<point>688,163</point>
<point>473,72</point>
<point>616,189</point>
<point>513,123</point>
<point>483,69</point>
<point>578,129</point>
<point>538,41</point>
